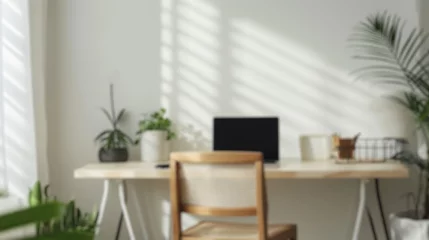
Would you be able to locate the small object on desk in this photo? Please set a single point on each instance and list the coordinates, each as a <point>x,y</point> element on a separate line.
<point>162,165</point>
<point>315,147</point>
<point>369,150</point>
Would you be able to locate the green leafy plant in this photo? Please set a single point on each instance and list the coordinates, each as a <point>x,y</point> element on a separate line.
<point>395,57</point>
<point>113,138</point>
<point>156,121</point>
<point>72,218</point>
<point>42,213</point>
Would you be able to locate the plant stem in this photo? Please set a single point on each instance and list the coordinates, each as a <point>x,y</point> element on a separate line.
<point>112,106</point>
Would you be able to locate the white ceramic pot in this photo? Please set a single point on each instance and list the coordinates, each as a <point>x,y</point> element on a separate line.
<point>154,146</point>
<point>315,147</point>
<point>404,226</point>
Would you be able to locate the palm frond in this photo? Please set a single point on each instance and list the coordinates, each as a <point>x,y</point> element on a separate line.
<point>124,137</point>
<point>411,158</point>
<point>425,111</point>
<point>99,136</point>
<point>109,117</point>
<point>120,115</point>
<point>378,40</point>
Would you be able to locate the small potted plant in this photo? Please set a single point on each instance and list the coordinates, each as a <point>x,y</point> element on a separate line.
<point>154,134</point>
<point>113,141</point>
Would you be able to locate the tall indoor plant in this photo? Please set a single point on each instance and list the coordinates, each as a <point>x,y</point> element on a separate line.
<point>155,132</point>
<point>113,141</point>
<point>395,57</point>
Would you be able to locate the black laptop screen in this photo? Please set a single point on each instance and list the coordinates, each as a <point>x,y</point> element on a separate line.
<point>248,134</point>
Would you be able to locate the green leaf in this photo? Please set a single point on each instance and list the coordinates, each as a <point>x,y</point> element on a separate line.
<point>378,41</point>
<point>40,213</point>
<point>154,121</point>
<point>78,215</point>
<point>425,111</point>
<point>411,158</point>
<point>36,194</point>
<point>109,117</point>
<point>93,217</point>
<point>414,47</point>
<point>120,115</point>
<point>100,135</point>
<point>63,236</point>
<point>69,217</point>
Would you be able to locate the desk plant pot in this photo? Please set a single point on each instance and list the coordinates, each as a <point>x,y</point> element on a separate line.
<point>405,226</point>
<point>154,135</point>
<point>154,146</point>
<point>113,140</point>
<point>113,155</point>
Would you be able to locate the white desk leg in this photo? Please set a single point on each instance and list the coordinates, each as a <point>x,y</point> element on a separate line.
<point>361,208</point>
<point>125,210</point>
<point>102,206</point>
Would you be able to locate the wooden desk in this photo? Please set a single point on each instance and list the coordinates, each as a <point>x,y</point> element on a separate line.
<point>306,170</point>
<point>286,169</point>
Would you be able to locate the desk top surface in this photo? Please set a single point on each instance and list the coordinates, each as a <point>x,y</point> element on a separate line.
<point>292,169</point>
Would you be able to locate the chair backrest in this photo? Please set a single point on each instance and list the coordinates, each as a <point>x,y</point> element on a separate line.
<point>219,183</point>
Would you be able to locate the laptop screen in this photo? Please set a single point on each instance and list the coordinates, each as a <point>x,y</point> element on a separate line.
<point>248,134</point>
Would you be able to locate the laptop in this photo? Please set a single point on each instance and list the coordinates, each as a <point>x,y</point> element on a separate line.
<point>248,134</point>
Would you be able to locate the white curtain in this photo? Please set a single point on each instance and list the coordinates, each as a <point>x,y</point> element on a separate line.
<point>22,94</point>
<point>39,33</point>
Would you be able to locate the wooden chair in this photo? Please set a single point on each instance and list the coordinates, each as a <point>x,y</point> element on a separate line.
<point>222,183</point>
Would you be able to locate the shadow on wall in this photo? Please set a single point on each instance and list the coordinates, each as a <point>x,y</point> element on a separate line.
<point>233,60</point>
<point>17,135</point>
<point>223,58</point>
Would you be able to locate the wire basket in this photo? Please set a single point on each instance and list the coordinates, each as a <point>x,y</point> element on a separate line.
<point>368,150</point>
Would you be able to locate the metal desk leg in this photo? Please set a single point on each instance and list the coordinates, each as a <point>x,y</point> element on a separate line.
<point>125,210</point>
<point>140,212</point>
<point>361,208</point>
<point>102,206</point>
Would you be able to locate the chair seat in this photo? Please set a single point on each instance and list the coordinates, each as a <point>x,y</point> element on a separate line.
<point>237,231</point>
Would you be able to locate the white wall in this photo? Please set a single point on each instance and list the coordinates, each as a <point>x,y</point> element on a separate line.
<point>206,58</point>
<point>424,17</point>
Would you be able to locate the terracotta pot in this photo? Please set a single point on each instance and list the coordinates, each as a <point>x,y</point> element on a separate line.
<point>346,148</point>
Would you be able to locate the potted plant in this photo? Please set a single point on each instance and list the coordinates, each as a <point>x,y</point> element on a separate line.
<point>72,219</point>
<point>113,141</point>
<point>398,58</point>
<point>44,212</point>
<point>50,219</point>
<point>155,131</point>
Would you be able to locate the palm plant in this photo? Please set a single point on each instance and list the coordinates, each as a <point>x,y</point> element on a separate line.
<point>395,57</point>
<point>113,138</point>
